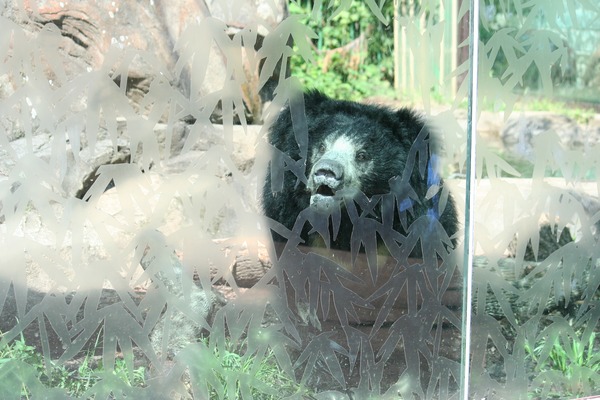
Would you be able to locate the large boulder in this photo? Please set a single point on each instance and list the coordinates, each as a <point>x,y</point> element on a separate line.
<point>152,38</point>
<point>520,131</point>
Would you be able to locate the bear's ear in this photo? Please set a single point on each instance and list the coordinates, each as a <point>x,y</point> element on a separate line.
<point>314,101</point>
<point>407,115</point>
<point>313,98</point>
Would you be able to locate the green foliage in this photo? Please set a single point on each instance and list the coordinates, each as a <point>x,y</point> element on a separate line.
<point>366,70</point>
<point>577,362</point>
<point>523,42</point>
<point>578,114</point>
<point>74,381</point>
<point>229,371</point>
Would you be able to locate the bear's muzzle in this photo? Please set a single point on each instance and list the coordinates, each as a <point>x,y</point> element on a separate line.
<point>327,179</point>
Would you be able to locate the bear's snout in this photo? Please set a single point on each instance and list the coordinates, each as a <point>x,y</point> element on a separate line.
<point>327,178</point>
<point>329,173</point>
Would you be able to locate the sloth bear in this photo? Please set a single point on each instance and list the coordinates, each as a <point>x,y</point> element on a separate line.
<point>344,173</point>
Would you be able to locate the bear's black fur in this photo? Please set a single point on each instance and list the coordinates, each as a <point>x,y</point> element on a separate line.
<point>353,169</point>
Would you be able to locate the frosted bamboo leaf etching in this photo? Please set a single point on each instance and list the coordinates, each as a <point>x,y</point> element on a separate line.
<point>545,221</point>
<point>131,172</point>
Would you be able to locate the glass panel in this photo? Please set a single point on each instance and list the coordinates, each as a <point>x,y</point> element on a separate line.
<point>536,285</point>
<point>138,261</point>
<point>129,217</point>
<point>365,229</point>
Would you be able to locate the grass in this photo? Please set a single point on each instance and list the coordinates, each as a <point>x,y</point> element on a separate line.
<point>29,366</point>
<point>565,368</point>
<point>235,374</point>
<point>573,110</point>
<point>238,374</point>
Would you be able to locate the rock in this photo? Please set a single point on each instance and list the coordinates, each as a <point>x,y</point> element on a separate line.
<point>520,131</point>
<point>489,125</point>
<point>520,199</point>
<point>249,268</point>
<point>197,139</point>
<point>81,163</point>
<point>132,42</point>
<point>103,36</point>
<point>591,77</point>
<point>190,307</point>
<point>79,174</point>
<point>60,338</point>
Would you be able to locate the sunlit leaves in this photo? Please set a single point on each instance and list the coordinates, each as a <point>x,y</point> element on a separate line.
<point>276,46</point>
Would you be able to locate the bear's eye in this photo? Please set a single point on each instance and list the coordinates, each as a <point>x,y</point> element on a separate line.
<point>361,156</point>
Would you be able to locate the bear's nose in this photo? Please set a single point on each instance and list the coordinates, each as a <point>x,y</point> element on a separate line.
<point>329,169</point>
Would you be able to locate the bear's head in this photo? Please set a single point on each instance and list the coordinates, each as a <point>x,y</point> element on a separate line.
<point>350,154</point>
<point>355,148</point>
<point>332,154</point>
